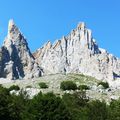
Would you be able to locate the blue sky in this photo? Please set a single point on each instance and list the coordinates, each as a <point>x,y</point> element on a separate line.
<point>43,20</point>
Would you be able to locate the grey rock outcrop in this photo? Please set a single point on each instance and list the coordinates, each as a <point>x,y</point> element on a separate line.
<point>16,60</point>
<point>78,53</point>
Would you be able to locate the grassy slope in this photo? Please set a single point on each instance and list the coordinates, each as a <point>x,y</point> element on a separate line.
<point>53,81</point>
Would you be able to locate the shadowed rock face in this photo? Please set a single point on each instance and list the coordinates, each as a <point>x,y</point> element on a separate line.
<point>78,53</point>
<point>16,60</point>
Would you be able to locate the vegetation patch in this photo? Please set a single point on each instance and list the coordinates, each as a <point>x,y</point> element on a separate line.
<point>104,84</point>
<point>14,87</point>
<point>43,85</point>
<point>83,87</point>
<point>76,106</point>
<point>29,86</point>
<point>68,85</point>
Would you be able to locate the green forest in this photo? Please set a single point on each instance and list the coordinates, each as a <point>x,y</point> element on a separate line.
<point>53,107</point>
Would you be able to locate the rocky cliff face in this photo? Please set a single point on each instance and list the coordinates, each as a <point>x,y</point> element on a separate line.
<point>16,60</point>
<point>78,53</point>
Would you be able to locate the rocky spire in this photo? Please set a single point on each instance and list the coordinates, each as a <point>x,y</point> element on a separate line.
<point>19,61</point>
<point>81,26</point>
<point>13,30</point>
<point>11,25</point>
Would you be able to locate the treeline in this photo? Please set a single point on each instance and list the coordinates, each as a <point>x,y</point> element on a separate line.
<point>51,107</point>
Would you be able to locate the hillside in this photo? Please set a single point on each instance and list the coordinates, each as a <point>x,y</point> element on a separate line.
<point>53,82</point>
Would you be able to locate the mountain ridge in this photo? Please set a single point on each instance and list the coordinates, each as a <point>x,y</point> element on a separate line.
<point>77,52</point>
<point>80,43</point>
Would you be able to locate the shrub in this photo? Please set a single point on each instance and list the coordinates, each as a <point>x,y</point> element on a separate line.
<point>76,104</point>
<point>97,110</point>
<point>18,106</point>
<point>43,85</point>
<point>4,101</point>
<point>68,85</point>
<point>14,87</point>
<point>104,84</point>
<point>114,110</point>
<point>29,86</point>
<point>48,107</point>
<point>83,87</point>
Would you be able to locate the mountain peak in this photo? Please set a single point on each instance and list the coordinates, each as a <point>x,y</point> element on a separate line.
<point>11,26</point>
<point>11,23</point>
<point>17,60</point>
<point>13,31</point>
<point>81,25</point>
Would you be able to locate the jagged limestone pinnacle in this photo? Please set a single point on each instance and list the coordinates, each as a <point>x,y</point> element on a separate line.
<point>10,24</point>
<point>18,61</point>
<point>12,29</point>
<point>81,25</point>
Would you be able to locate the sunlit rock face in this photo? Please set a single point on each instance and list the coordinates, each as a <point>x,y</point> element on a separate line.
<point>78,53</point>
<point>16,60</point>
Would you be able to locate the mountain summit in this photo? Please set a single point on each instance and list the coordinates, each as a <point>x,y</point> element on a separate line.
<point>78,53</point>
<point>16,60</point>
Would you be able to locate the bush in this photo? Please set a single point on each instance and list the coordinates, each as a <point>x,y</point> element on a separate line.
<point>83,87</point>
<point>104,84</point>
<point>97,110</point>
<point>4,102</point>
<point>68,85</point>
<point>14,87</point>
<point>76,104</point>
<point>114,110</point>
<point>18,106</point>
<point>29,86</point>
<point>48,107</point>
<point>43,85</point>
